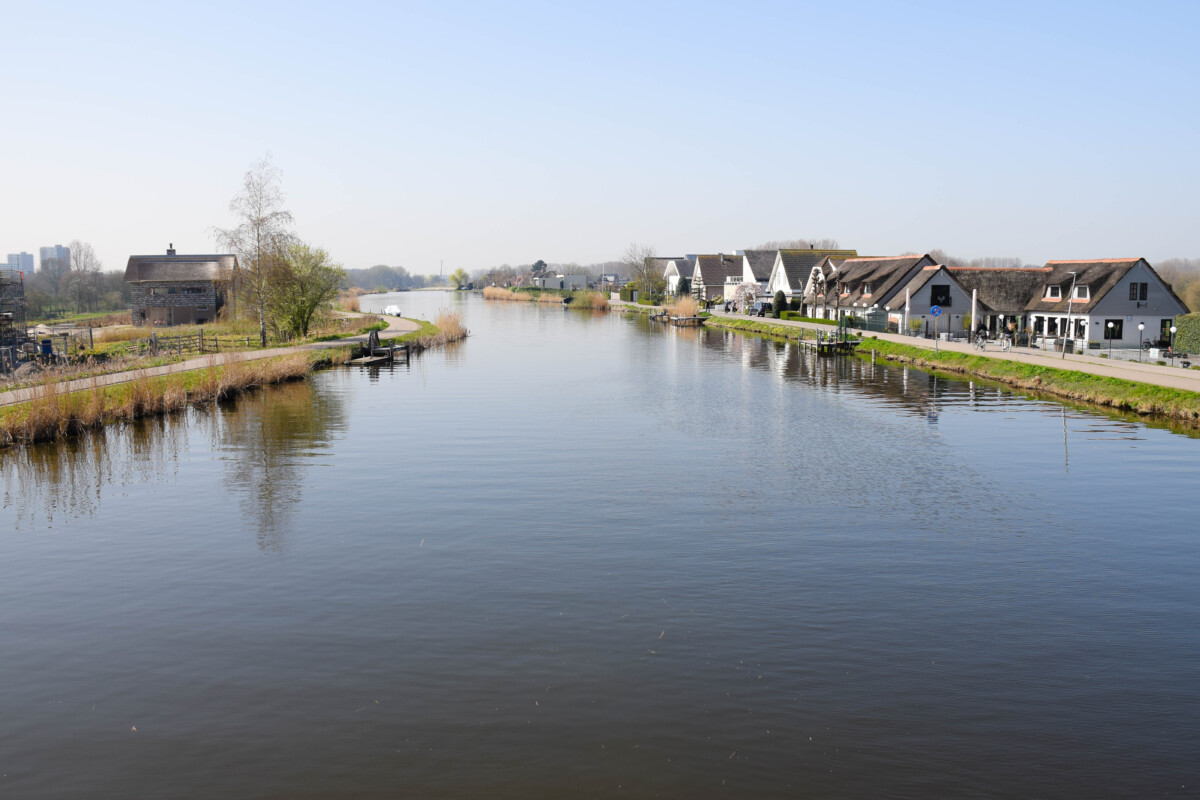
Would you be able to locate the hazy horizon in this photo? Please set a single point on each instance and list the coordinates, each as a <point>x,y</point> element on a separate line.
<point>474,135</point>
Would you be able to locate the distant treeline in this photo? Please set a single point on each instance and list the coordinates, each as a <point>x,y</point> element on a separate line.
<point>393,279</point>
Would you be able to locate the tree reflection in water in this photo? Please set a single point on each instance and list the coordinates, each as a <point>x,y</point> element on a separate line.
<point>263,440</point>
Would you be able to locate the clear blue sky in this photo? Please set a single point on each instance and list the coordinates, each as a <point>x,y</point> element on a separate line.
<point>478,133</point>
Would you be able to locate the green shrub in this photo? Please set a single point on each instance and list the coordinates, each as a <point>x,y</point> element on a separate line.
<point>778,304</point>
<point>1187,338</point>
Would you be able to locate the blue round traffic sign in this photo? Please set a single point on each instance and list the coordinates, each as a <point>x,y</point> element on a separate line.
<point>936,311</point>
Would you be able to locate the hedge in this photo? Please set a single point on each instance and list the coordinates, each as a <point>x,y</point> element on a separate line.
<point>1187,338</point>
<point>797,317</point>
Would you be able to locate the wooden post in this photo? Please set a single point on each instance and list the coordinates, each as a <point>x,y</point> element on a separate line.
<point>200,340</point>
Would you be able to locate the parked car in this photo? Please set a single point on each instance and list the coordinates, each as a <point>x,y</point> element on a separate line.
<point>760,309</point>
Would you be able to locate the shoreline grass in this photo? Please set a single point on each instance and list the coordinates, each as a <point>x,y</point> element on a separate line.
<point>1143,399</point>
<point>55,413</point>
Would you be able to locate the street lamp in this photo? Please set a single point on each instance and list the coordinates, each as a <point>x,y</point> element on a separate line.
<point>1070,300</point>
<point>1110,335</point>
<point>1141,327</point>
<point>1172,347</point>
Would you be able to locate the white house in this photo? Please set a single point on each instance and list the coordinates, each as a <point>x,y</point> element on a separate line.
<point>756,268</point>
<point>1104,301</point>
<point>708,279</point>
<point>678,269</point>
<point>793,271</point>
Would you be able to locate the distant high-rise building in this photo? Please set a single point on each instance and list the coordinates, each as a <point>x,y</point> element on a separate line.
<point>56,259</point>
<point>22,261</point>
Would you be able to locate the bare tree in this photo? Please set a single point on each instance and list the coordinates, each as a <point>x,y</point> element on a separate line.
<point>638,263</point>
<point>82,282</point>
<point>260,239</point>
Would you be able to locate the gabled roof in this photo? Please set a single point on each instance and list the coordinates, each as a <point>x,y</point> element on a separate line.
<point>1099,276</point>
<point>885,274</point>
<point>1004,290</point>
<point>686,267</point>
<point>714,269</point>
<point>761,262</point>
<point>179,268</point>
<point>798,264</point>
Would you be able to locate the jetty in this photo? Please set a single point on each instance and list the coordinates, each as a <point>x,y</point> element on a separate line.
<point>374,354</point>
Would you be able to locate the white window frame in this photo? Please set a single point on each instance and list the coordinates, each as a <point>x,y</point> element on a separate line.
<point>1082,293</point>
<point>1053,292</point>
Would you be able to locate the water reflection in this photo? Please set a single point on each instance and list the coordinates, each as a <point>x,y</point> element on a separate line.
<point>64,481</point>
<point>264,440</point>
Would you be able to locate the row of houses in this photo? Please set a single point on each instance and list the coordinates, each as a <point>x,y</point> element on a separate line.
<point>1121,301</point>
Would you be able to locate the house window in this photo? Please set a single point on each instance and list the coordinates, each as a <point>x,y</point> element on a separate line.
<point>939,295</point>
<point>1081,293</point>
<point>1133,291</point>
<point>192,290</point>
<point>866,288</point>
<point>1053,292</point>
<point>1142,289</point>
<point>1114,329</point>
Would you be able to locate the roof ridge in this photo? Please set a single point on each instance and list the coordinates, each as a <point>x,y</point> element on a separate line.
<point>1013,269</point>
<point>1094,261</point>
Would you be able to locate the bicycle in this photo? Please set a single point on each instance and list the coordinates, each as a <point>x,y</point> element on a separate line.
<point>979,342</point>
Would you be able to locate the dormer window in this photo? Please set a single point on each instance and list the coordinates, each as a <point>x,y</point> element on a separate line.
<point>1081,293</point>
<point>866,288</point>
<point>1054,292</point>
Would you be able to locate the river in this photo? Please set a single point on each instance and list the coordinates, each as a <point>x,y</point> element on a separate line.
<point>582,555</point>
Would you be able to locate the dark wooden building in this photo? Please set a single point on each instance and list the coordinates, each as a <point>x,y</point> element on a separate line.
<point>178,290</point>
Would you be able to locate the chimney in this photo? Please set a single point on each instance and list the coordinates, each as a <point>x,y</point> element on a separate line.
<point>171,249</point>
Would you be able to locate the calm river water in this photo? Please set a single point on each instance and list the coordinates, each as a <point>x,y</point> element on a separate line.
<point>582,556</point>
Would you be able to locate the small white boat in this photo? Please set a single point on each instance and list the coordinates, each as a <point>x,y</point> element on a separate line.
<point>392,311</point>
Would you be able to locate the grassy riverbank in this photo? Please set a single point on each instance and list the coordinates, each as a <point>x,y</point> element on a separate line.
<point>54,413</point>
<point>1140,398</point>
<point>761,326</point>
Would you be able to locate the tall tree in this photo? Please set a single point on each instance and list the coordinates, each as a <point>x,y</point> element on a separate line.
<point>638,263</point>
<point>305,281</point>
<point>260,240</point>
<point>459,278</point>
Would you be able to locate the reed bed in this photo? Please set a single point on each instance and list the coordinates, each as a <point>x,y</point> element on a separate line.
<point>593,300</point>
<point>348,300</point>
<point>448,328</point>
<point>496,293</point>
<point>549,298</point>
<point>684,307</point>
<point>53,412</point>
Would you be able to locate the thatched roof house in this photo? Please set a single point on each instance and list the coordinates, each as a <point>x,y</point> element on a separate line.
<point>877,280</point>
<point>1002,290</point>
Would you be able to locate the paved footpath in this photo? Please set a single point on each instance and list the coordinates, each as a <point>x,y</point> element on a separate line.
<point>1173,377</point>
<point>396,327</point>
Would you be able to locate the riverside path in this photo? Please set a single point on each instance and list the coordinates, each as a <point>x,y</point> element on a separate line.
<point>397,326</point>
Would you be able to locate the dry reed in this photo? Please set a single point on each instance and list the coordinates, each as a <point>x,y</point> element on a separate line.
<point>348,300</point>
<point>684,307</point>
<point>593,300</point>
<point>496,293</point>
<point>52,412</point>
